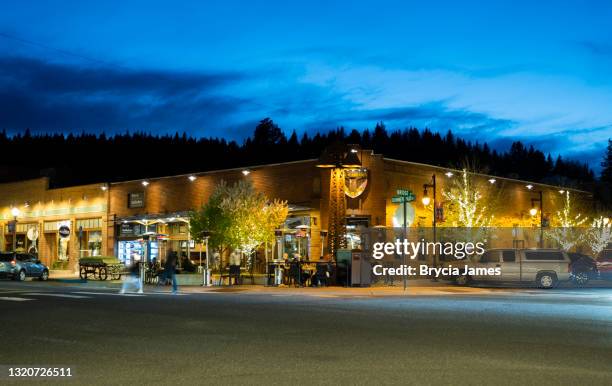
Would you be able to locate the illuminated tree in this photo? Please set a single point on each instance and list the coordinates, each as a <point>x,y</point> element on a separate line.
<point>213,219</point>
<point>600,235</point>
<point>238,217</point>
<point>466,203</point>
<point>566,224</point>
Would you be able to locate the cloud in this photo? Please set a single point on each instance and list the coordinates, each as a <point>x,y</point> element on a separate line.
<point>435,115</point>
<point>47,96</point>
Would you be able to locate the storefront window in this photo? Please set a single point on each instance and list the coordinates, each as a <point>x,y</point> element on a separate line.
<point>296,237</point>
<point>89,236</point>
<point>133,250</point>
<point>355,232</point>
<point>94,243</point>
<point>26,238</point>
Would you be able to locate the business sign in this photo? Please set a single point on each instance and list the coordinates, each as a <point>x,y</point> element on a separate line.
<point>136,200</point>
<point>355,182</point>
<point>126,230</point>
<point>64,231</point>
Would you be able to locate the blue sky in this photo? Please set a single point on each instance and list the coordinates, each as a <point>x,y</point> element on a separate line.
<point>541,73</point>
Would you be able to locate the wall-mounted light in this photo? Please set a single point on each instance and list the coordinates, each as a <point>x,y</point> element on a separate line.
<point>529,186</point>
<point>492,180</point>
<point>15,211</point>
<point>533,211</point>
<point>145,183</point>
<point>246,172</point>
<point>192,178</point>
<point>104,188</point>
<point>449,174</point>
<point>561,191</point>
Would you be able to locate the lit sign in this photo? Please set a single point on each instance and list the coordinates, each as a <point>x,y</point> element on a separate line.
<point>136,200</point>
<point>355,182</point>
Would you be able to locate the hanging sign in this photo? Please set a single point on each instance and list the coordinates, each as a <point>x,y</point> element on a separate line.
<point>64,231</point>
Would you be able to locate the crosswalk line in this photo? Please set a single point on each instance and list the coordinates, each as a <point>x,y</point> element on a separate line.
<point>110,293</point>
<point>14,298</point>
<point>58,295</point>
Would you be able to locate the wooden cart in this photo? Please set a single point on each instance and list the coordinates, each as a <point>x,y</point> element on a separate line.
<point>101,267</point>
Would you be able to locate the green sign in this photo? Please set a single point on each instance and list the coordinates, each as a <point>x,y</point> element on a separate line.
<point>403,195</point>
<point>405,192</point>
<point>401,199</point>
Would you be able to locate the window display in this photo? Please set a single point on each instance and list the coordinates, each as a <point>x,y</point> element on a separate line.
<point>130,251</point>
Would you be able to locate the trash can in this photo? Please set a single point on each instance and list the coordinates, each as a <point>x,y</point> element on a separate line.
<point>361,270</point>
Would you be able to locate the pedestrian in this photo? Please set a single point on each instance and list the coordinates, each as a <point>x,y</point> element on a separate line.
<point>170,270</point>
<point>133,279</point>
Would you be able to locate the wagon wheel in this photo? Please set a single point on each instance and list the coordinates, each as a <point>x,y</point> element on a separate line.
<point>83,273</point>
<point>115,273</point>
<point>102,273</point>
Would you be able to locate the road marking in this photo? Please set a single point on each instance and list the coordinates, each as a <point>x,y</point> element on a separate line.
<point>109,293</point>
<point>166,293</point>
<point>14,299</point>
<point>58,295</point>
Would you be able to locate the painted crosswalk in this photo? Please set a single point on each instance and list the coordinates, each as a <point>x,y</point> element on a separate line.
<point>14,298</point>
<point>19,296</point>
<point>58,295</point>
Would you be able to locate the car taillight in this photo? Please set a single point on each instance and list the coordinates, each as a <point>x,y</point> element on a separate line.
<point>13,263</point>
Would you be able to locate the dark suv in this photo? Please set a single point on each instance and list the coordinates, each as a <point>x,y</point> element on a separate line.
<point>18,266</point>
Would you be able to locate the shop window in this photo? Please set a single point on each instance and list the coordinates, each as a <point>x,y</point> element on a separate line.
<point>26,238</point>
<point>355,232</point>
<point>90,223</point>
<point>178,228</point>
<point>296,237</point>
<point>94,242</point>
<point>130,251</point>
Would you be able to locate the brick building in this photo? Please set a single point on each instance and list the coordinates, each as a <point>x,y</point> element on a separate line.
<point>58,224</point>
<point>109,219</point>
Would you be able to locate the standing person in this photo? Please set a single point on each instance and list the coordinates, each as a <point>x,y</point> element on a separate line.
<point>170,270</point>
<point>133,279</point>
<point>234,268</point>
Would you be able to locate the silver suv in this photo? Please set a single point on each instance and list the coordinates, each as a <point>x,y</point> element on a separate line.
<point>544,267</point>
<point>18,266</point>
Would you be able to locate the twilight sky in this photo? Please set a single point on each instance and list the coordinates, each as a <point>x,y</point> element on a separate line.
<point>541,73</point>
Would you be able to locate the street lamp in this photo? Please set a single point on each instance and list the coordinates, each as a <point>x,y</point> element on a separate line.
<point>426,202</point>
<point>15,212</point>
<point>533,211</point>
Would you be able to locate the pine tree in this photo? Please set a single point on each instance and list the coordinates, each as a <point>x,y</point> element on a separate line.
<point>606,165</point>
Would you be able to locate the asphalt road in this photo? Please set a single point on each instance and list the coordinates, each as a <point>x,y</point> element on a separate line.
<point>236,337</point>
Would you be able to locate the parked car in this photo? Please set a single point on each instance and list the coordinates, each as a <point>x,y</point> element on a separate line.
<point>583,268</point>
<point>18,266</point>
<point>604,264</point>
<point>543,267</point>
